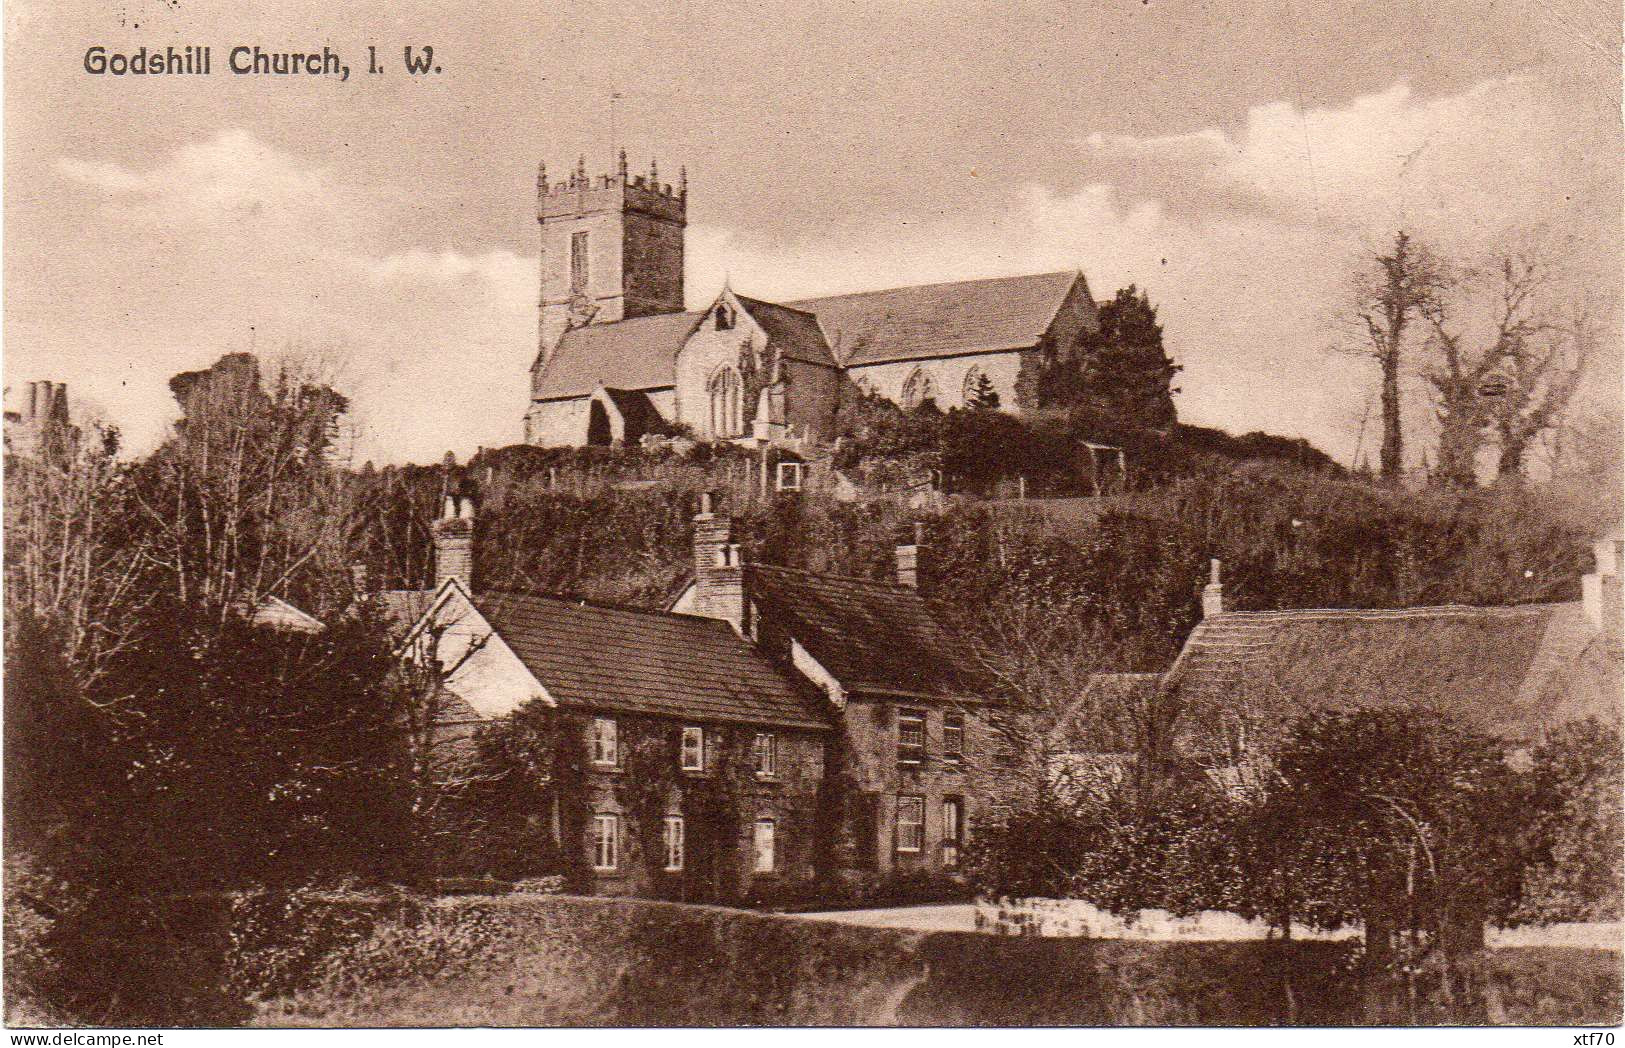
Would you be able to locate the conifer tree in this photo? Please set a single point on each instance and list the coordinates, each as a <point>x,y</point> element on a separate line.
<point>1125,372</point>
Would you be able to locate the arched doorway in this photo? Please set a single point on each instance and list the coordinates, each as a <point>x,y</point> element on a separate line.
<point>598,429</point>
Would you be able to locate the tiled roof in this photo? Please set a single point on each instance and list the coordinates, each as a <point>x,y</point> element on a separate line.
<point>873,636</point>
<point>869,327</point>
<point>628,354</point>
<point>793,332</point>
<point>939,320</point>
<point>599,657</point>
<point>1494,667</point>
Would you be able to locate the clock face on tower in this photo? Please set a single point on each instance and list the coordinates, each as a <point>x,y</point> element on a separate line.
<point>582,309</point>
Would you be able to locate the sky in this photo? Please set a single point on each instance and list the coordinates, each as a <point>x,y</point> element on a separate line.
<point>1236,160</point>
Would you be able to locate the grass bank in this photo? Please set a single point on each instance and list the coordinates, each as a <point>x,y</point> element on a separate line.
<point>528,961</point>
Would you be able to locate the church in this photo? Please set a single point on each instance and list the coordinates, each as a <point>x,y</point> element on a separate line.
<point>620,358</point>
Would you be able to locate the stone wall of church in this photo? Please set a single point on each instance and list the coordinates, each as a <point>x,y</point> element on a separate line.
<point>566,423</point>
<point>557,423</point>
<point>708,351</point>
<point>948,375</point>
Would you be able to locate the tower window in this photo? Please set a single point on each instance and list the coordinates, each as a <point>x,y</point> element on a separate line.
<point>725,317</point>
<point>578,261</point>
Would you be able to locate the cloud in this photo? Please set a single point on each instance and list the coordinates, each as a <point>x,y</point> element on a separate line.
<point>1464,167</point>
<point>231,243</point>
<point>213,179</point>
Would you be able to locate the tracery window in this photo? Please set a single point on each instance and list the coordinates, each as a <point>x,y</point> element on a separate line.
<point>727,403</point>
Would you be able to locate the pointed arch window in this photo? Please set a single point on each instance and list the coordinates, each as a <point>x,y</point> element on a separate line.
<point>973,380</point>
<point>727,394</point>
<point>919,388</point>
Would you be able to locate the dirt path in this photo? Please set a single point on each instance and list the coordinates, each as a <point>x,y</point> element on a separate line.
<point>961,917</point>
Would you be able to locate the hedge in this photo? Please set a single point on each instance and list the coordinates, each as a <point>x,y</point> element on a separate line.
<point>566,960</point>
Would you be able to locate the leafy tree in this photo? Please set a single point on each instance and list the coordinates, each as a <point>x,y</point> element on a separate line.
<point>1408,822</point>
<point>1577,842</point>
<point>1126,371</point>
<point>260,755</point>
<point>67,801</point>
<point>1119,371</point>
<point>510,819</point>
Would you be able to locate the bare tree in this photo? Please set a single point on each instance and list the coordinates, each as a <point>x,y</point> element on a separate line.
<point>71,558</point>
<point>1074,731</point>
<point>242,500</point>
<point>1389,297</point>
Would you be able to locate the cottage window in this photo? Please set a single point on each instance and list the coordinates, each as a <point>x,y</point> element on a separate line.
<point>953,830</point>
<point>910,737</point>
<point>672,842</point>
<point>764,846</point>
<point>606,851</point>
<point>692,751</point>
<point>578,261</point>
<point>727,393</point>
<point>790,476</point>
<point>767,755</point>
<point>910,823</point>
<point>953,737</point>
<point>606,750</point>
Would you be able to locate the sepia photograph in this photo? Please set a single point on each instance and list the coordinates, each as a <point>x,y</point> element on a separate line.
<point>704,514</point>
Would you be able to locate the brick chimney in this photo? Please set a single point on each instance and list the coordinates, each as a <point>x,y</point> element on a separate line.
<point>908,558</point>
<point>1600,590</point>
<point>719,566</point>
<point>1213,592</point>
<point>453,532</point>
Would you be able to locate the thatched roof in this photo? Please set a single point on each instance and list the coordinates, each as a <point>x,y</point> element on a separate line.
<point>1513,671</point>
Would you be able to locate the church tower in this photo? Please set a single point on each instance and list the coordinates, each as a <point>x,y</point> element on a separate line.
<point>612,248</point>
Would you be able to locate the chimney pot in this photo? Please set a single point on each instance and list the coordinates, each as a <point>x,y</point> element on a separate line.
<point>453,533</point>
<point>1213,592</point>
<point>908,558</point>
<point>719,576</point>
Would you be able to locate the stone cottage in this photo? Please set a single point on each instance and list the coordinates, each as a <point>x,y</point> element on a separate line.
<point>620,358</point>
<point>847,723</point>
<point>916,749</point>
